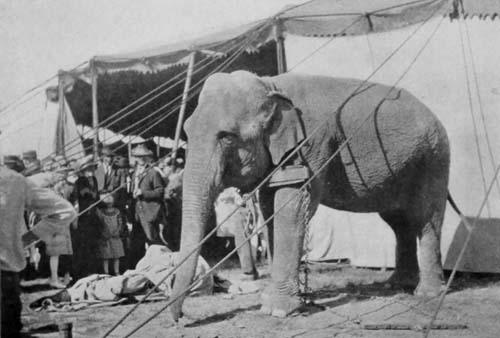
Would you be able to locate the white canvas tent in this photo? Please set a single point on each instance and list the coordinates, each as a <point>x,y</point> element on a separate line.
<point>36,125</point>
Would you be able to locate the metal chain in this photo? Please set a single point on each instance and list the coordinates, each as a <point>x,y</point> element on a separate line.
<point>306,208</point>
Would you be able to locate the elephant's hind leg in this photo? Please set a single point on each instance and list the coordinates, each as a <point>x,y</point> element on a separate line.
<point>428,211</point>
<point>406,272</point>
<point>431,270</point>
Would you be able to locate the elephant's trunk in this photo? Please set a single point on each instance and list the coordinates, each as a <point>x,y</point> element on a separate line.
<point>201,183</point>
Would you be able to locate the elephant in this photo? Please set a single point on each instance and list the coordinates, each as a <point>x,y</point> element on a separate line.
<point>393,159</point>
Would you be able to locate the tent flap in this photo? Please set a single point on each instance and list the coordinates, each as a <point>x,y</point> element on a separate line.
<point>252,35</point>
<point>478,8</point>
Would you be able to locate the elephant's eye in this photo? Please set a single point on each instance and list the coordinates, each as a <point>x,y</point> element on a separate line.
<point>227,137</point>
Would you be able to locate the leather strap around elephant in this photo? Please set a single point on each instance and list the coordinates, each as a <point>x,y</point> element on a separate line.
<point>289,175</point>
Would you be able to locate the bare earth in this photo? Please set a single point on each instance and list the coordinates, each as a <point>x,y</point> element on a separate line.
<point>348,299</point>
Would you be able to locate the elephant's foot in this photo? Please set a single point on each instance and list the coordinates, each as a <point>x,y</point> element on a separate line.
<point>402,280</point>
<point>429,288</point>
<point>280,305</point>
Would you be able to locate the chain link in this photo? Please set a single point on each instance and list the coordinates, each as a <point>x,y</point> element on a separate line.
<point>305,270</point>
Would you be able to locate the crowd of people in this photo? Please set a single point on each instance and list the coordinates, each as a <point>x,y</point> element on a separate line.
<point>69,219</point>
<point>123,207</point>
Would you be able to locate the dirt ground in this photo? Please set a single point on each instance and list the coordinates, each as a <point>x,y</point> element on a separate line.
<point>347,299</point>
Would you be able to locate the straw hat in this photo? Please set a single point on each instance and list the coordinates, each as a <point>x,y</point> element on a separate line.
<point>141,150</point>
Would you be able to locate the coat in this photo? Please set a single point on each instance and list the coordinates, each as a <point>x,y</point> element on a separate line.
<point>16,195</point>
<point>150,207</point>
<point>115,181</point>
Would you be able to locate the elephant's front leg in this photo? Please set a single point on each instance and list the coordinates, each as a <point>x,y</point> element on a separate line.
<point>282,296</point>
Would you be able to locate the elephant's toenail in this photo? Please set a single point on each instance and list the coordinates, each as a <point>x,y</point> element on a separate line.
<point>265,310</point>
<point>279,313</point>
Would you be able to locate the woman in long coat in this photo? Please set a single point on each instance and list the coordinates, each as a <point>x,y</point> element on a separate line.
<point>84,236</point>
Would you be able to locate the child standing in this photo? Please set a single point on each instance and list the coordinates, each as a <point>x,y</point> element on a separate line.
<point>112,230</point>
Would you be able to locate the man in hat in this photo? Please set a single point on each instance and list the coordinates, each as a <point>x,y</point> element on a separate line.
<point>29,157</point>
<point>31,163</point>
<point>17,194</point>
<point>104,171</point>
<point>33,168</point>
<point>13,162</point>
<point>147,191</point>
<point>111,178</point>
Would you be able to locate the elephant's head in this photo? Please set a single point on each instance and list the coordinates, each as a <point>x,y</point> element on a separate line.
<point>241,128</point>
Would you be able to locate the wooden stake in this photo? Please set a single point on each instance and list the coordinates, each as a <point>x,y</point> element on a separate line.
<point>414,327</point>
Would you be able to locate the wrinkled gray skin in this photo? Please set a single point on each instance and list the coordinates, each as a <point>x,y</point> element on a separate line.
<point>397,165</point>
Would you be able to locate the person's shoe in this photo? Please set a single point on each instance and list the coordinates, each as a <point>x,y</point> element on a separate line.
<point>57,285</point>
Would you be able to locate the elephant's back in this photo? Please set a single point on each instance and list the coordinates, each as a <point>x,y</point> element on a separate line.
<point>391,136</point>
<point>373,112</point>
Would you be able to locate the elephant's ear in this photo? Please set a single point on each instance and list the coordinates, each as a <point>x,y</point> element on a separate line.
<point>284,126</point>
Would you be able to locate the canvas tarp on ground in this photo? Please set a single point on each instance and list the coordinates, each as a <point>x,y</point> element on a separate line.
<point>37,125</point>
<point>438,79</point>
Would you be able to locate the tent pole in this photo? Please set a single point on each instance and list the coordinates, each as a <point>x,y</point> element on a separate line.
<point>61,138</point>
<point>95,113</point>
<point>182,110</point>
<point>280,46</point>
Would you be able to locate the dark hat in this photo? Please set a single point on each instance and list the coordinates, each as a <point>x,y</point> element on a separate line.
<point>13,162</point>
<point>33,168</point>
<point>141,150</point>
<point>106,151</point>
<point>29,155</point>
<point>11,159</point>
<point>121,162</point>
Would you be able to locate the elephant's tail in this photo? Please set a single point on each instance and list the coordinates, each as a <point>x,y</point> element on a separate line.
<point>454,205</point>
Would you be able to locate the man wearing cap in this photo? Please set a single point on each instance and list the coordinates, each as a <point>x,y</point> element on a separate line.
<point>147,191</point>
<point>13,162</point>
<point>29,157</point>
<point>104,171</point>
<point>31,163</point>
<point>17,194</point>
